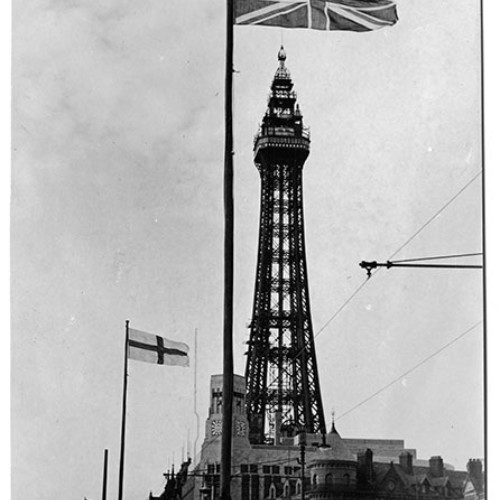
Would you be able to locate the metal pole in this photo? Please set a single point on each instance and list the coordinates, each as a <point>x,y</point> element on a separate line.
<point>196,392</point>
<point>303,472</point>
<point>302,443</point>
<point>227,385</point>
<point>124,414</point>
<point>105,476</point>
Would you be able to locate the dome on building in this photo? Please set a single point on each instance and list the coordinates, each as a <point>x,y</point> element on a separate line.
<point>337,450</point>
<point>334,468</point>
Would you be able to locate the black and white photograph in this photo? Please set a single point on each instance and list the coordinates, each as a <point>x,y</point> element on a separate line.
<point>247,250</point>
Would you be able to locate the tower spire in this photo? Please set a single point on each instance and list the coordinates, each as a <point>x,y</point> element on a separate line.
<point>283,394</point>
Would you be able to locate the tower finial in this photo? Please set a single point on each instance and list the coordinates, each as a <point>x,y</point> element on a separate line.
<point>282,56</point>
<point>333,429</point>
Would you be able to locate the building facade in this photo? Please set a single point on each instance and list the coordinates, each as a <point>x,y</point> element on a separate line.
<point>315,466</point>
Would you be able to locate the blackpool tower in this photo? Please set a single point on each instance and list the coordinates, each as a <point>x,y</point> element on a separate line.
<point>283,393</point>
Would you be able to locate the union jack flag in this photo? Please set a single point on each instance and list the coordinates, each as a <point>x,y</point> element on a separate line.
<point>347,15</point>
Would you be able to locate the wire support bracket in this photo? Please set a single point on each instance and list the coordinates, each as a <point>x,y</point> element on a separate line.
<point>370,266</point>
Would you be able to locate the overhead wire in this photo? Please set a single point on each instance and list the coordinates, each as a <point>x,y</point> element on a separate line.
<point>418,365</point>
<point>415,260</point>
<point>341,308</point>
<point>411,238</point>
<point>449,202</point>
<point>454,256</point>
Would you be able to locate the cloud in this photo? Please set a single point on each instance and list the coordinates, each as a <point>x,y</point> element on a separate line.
<point>108,74</point>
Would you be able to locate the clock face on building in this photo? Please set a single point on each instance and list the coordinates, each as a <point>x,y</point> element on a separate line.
<point>240,428</point>
<point>216,427</point>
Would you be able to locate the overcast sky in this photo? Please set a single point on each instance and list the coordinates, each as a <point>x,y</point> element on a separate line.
<point>117,214</point>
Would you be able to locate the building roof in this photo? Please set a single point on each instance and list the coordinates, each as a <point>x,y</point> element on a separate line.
<point>419,476</point>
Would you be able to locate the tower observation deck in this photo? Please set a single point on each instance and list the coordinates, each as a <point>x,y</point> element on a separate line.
<point>283,393</point>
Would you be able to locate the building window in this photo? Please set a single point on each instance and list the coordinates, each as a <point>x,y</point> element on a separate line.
<point>254,468</point>
<point>266,469</point>
<point>217,401</point>
<point>298,487</point>
<point>213,482</point>
<point>276,469</point>
<point>211,468</point>
<point>272,491</point>
<point>267,485</point>
<point>347,479</point>
<point>245,487</point>
<point>238,399</point>
<point>288,471</point>
<point>329,479</point>
<point>254,491</point>
<point>244,468</point>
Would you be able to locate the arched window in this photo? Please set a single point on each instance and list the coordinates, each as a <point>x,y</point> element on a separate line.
<point>315,481</point>
<point>347,479</point>
<point>286,490</point>
<point>298,487</point>
<point>329,479</point>
<point>272,491</point>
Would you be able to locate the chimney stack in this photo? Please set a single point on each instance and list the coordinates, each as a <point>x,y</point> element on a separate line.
<point>475,470</point>
<point>365,461</point>
<point>436,466</point>
<point>406,462</point>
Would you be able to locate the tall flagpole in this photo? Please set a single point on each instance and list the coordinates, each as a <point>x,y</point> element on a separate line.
<point>105,476</point>
<point>124,414</point>
<point>227,384</point>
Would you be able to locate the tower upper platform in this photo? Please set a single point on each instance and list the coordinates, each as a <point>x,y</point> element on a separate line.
<point>282,132</point>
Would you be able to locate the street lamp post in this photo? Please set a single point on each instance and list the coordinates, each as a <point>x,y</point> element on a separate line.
<point>302,462</point>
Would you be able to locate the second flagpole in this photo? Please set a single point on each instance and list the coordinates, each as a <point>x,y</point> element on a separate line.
<point>124,415</point>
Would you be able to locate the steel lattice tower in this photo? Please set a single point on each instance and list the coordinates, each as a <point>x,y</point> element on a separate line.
<point>283,393</point>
